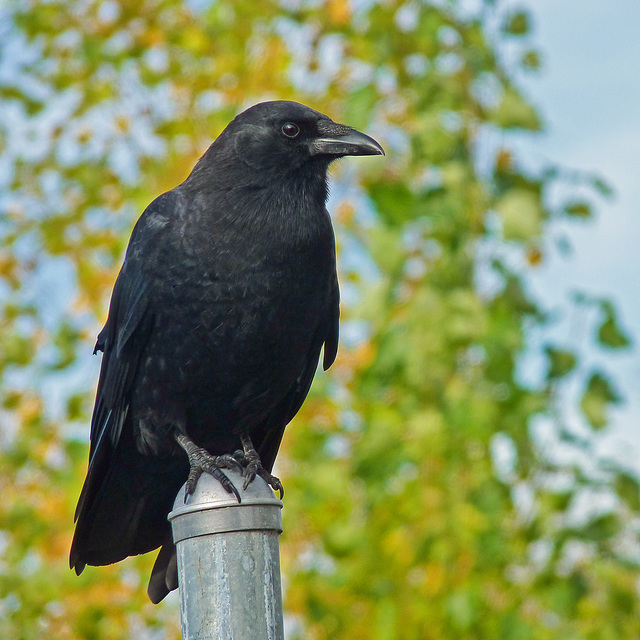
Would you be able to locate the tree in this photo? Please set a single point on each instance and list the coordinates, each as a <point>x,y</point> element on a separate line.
<point>421,502</point>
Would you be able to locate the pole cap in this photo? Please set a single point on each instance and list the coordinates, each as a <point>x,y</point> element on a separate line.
<point>211,510</point>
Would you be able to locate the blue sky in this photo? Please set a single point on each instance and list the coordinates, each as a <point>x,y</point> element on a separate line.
<point>589,95</point>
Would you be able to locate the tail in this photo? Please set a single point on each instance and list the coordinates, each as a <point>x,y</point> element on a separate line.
<point>164,575</point>
<point>123,507</point>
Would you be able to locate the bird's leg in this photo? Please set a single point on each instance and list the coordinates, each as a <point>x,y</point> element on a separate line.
<point>201,460</point>
<point>253,467</point>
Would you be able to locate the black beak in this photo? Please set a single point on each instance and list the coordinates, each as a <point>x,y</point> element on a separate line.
<point>344,141</point>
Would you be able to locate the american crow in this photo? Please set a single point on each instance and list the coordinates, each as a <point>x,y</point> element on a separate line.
<point>227,294</point>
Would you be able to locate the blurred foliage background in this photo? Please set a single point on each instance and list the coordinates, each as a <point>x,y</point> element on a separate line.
<point>435,487</point>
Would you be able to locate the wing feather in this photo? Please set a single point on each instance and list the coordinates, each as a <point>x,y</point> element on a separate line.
<point>328,336</point>
<point>122,341</point>
<point>333,328</point>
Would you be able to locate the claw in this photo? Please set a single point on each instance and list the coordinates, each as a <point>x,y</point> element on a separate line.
<point>253,467</point>
<point>249,474</point>
<point>200,460</point>
<point>192,481</point>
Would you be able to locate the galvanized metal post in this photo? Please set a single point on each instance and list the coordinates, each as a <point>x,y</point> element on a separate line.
<point>229,561</point>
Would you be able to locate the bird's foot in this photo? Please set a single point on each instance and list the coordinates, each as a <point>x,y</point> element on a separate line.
<point>200,461</point>
<point>252,466</point>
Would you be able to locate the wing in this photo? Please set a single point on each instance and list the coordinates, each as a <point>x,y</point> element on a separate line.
<point>327,338</point>
<point>332,326</point>
<point>122,341</point>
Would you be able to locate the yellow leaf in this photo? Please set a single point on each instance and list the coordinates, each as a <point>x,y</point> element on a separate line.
<point>434,577</point>
<point>521,214</point>
<point>339,11</point>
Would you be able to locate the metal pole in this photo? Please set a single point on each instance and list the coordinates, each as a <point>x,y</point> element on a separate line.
<point>229,561</point>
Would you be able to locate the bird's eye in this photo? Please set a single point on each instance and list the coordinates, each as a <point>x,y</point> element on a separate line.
<point>291,129</point>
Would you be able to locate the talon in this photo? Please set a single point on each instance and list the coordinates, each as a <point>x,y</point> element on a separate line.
<point>277,486</point>
<point>192,481</point>
<point>253,466</point>
<point>272,481</point>
<point>200,460</point>
<point>250,472</point>
<point>227,461</point>
<point>230,487</point>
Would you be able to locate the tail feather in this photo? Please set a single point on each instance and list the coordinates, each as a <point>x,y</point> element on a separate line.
<point>164,576</point>
<point>124,505</point>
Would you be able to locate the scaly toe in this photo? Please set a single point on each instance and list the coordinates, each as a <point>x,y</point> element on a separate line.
<point>200,460</point>
<point>192,481</point>
<point>272,481</point>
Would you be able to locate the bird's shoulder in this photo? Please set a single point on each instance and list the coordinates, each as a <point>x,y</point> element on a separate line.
<point>156,225</point>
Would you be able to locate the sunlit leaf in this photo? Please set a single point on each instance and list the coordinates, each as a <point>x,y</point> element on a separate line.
<point>514,112</point>
<point>521,214</point>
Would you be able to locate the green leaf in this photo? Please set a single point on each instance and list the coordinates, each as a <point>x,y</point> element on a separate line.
<point>397,204</point>
<point>386,622</point>
<point>578,209</point>
<point>602,528</point>
<point>609,333</point>
<point>531,60</point>
<point>602,186</point>
<point>564,596</point>
<point>514,112</point>
<point>561,362</point>
<point>360,106</point>
<point>386,248</point>
<point>597,397</point>
<point>516,24</point>
<point>521,213</point>
<point>76,406</point>
<point>628,488</point>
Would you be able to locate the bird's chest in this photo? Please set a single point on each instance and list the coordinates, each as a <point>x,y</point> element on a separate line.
<point>239,310</point>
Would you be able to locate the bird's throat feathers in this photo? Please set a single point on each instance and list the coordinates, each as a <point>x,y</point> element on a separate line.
<point>273,200</point>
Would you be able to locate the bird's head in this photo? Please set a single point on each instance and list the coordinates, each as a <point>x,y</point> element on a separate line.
<point>288,135</point>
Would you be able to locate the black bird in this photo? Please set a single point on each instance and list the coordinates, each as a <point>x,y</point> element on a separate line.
<point>227,294</point>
